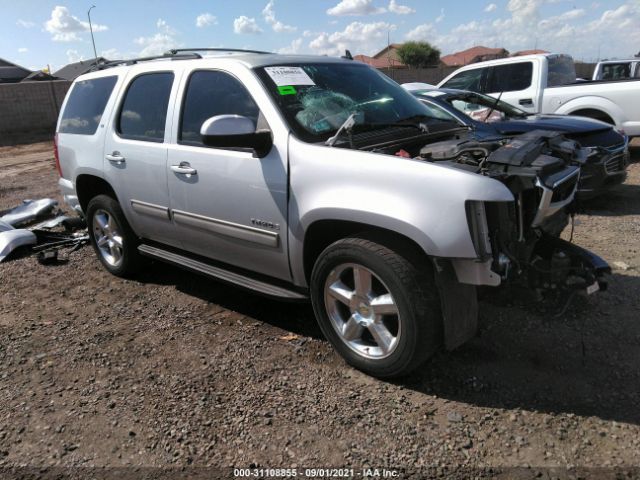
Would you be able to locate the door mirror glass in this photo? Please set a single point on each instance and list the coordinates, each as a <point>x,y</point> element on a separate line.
<point>235,131</point>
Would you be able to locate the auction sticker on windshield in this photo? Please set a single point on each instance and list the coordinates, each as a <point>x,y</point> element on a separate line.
<point>288,76</point>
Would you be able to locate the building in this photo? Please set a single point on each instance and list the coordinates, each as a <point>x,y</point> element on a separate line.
<point>473,55</point>
<point>12,73</point>
<point>385,58</point>
<point>73,70</point>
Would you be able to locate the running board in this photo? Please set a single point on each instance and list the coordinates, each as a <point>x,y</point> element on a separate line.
<point>227,276</point>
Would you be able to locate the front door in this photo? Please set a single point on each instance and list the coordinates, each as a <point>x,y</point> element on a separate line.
<point>136,155</point>
<point>227,204</point>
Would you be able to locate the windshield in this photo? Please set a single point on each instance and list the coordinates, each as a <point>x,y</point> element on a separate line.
<point>317,98</point>
<point>484,108</point>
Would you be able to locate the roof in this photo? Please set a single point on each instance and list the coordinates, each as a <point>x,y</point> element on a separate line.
<point>472,55</point>
<point>38,76</point>
<point>74,70</point>
<point>528,52</point>
<point>11,73</point>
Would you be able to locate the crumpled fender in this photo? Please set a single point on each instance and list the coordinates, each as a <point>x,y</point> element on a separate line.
<point>11,238</point>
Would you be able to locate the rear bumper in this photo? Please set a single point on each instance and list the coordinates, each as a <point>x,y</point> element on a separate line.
<point>68,190</point>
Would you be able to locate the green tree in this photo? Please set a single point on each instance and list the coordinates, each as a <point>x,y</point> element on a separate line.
<point>419,54</point>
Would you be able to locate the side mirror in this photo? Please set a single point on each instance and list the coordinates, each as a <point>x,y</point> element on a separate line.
<point>235,131</point>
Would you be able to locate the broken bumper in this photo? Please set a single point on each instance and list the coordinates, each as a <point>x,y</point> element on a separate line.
<point>69,195</point>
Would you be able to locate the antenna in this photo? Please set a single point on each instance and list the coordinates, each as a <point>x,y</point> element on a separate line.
<point>95,54</point>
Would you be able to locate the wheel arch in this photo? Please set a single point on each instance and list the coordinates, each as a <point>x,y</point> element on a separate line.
<point>88,186</point>
<point>594,107</point>
<point>322,233</point>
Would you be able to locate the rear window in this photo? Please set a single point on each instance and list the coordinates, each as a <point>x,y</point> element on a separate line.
<point>511,77</point>
<point>85,105</point>
<point>562,71</point>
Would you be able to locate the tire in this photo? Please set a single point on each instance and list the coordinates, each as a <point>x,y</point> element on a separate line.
<point>359,320</point>
<point>113,240</point>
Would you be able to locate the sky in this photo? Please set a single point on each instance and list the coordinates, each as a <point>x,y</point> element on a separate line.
<point>37,33</point>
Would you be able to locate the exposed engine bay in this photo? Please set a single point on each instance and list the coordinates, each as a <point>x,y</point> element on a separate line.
<point>521,238</point>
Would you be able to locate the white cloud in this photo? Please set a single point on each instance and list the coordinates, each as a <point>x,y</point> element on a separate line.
<point>492,7</point>
<point>111,54</point>
<point>293,48</point>
<point>357,37</point>
<point>23,50</point>
<point>160,42</point>
<point>64,27</point>
<point>355,7</point>
<point>246,25</point>
<point>269,15</point>
<point>156,44</point>
<point>440,17</point>
<point>73,56</point>
<point>525,25</point>
<point>424,32</point>
<point>25,24</point>
<point>206,20</point>
<point>400,9</point>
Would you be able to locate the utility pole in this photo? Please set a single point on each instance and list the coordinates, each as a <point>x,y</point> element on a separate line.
<point>95,54</point>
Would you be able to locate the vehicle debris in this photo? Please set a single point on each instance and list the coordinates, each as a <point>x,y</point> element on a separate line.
<point>12,238</point>
<point>29,211</point>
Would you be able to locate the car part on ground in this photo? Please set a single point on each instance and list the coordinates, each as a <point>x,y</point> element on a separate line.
<point>29,211</point>
<point>11,239</point>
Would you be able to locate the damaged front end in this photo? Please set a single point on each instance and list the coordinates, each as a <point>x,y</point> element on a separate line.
<point>519,241</point>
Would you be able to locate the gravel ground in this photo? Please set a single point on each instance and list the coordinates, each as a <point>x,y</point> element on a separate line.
<point>172,370</point>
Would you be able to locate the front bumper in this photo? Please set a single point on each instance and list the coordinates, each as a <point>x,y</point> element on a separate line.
<point>607,168</point>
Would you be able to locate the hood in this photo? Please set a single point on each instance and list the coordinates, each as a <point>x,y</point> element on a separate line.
<point>563,123</point>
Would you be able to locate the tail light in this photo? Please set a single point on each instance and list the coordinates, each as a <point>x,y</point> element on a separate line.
<point>56,155</point>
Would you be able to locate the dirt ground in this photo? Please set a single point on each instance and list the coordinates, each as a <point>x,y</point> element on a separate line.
<point>173,370</point>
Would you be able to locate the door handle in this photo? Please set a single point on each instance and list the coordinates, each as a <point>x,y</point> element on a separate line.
<point>184,168</point>
<point>527,102</point>
<point>115,158</point>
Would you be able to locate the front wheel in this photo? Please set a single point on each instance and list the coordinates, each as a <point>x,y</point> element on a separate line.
<point>111,236</point>
<point>379,309</point>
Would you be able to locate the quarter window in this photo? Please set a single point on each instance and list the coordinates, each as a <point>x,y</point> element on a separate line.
<point>212,93</point>
<point>86,104</point>
<point>144,111</point>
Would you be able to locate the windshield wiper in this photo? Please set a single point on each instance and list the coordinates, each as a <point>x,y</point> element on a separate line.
<point>493,107</point>
<point>347,126</point>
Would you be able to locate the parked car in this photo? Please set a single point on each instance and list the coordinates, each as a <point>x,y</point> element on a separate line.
<point>608,158</point>
<point>309,176</point>
<point>546,83</point>
<point>617,69</point>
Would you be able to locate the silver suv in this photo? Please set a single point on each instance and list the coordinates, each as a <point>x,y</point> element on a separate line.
<point>312,177</point>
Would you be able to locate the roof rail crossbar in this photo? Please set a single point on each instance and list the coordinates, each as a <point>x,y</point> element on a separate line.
<point>239,50</point>
<point>133,61</point>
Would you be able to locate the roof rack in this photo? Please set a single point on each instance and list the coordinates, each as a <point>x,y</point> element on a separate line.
<point>174,54</point>
<point>133,61</point>
<point>232,50</point>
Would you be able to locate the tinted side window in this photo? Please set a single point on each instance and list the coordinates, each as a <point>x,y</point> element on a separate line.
<point>562,71</point>
<point>209,94</point>
<point>144,111</point>
<point>86,104</point>
<point>510,78</point>
<point>616,71</point>
<point>469,80</point>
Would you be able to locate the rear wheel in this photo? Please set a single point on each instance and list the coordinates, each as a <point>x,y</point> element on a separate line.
<point>111,236</point>
<point>379,309</point>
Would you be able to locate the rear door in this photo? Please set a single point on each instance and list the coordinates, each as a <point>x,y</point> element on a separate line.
<point>136,153</point>
<point>515,81</point>
<point>233,207</point>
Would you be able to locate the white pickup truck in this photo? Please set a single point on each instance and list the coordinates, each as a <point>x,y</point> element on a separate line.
<point>547,84</point>
<point>617,70</point>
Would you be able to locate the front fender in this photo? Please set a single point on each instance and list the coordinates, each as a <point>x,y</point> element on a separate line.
<point>422,201</point>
